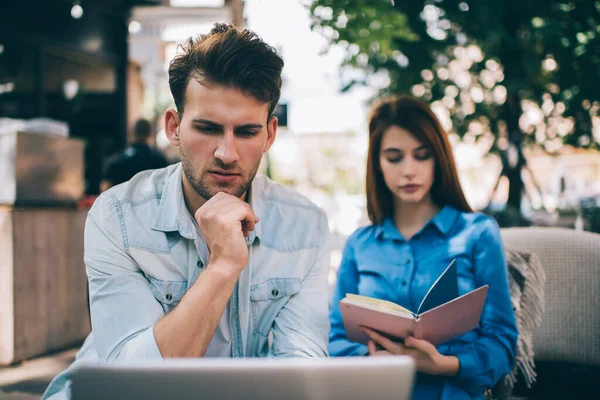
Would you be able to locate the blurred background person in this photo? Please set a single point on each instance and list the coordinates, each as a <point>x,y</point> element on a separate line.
<point>139,156</point>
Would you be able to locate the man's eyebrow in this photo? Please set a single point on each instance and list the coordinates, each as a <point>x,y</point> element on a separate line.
<point>205,122</point>
<point>249,126</point>
<point>214,124</point>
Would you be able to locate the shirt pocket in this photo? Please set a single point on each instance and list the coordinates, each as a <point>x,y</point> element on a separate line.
<point>168,293</point>
<point>378,279</point>
<point>267,299</point>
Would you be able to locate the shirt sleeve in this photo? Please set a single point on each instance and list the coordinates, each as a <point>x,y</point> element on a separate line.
<point>347,282</point>
<point>484,361</point>
<point>300,328</point>
<point>123,308</point>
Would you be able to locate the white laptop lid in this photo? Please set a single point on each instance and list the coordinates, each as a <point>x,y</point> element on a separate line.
<point>258,378</point>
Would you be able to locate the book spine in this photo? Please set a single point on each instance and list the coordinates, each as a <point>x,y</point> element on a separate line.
<point>417,328</point>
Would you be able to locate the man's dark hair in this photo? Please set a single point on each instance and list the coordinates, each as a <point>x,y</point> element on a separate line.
<point>142,129</point>
<point>231,57</point>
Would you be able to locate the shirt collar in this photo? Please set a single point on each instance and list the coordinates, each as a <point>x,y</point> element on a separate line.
<point>443,221</point>
<point>173,216</point>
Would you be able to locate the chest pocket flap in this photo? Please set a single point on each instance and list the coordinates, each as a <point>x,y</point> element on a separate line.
<point>274,289</point>
<point>168,292</point>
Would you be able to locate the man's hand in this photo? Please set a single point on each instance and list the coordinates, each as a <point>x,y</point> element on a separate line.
<point>224,221</point>
<point>427,358</point>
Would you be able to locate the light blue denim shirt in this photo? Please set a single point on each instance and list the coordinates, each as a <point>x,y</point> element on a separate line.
<point>142,253</point>
<point>379,262</point>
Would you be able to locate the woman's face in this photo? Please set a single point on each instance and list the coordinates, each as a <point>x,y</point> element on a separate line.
<point>408,166</point>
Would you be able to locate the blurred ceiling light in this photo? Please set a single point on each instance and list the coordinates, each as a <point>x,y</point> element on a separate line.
<point>430,13</point>
<point>341,21</point>
<point>475,53</point>
<point>197,3</point>
<point>448,101</point>
<point>534,116</point>
<point>427,75</point>
<point>418,90</point>
<point>477,94</point>
<point>487,78</point>
<point>135,27</point>
<point>76,10</point>
<point>443,73</point>
<point>492,65</point>
<point>70,88</point>
<point>437,33</point>
<point>463,79</point>
<point>461,38</point>
<point>583,141</point>
<point>7,87</point>
<point>549,64</point>
<point>451,91</point>
<point>401,59</point>
<point>462,6</point>
<point>1,48</point>
<point>468,108</point>
<point>443,115</point>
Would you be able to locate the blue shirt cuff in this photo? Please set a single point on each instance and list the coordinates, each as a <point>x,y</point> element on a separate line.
<point>467,368</point>
<point>143,346</point>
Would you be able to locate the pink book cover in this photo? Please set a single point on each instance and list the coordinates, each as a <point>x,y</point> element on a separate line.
<point>437,325</point>
<point>451,319</point>
<point>355,316</point>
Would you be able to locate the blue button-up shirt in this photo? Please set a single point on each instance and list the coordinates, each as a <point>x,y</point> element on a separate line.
<point>377,261</point>
<point>143,251</point>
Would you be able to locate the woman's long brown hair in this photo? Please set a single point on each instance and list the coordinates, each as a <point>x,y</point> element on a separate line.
<point>416,117</point>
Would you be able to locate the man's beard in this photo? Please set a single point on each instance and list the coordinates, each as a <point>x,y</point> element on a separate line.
<point>204,189</point>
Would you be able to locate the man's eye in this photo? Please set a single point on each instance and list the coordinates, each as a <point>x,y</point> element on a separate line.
<point>247,133</point>
<point>206,129</point>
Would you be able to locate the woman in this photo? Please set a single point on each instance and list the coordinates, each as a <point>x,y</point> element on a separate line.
<point>420,223</point>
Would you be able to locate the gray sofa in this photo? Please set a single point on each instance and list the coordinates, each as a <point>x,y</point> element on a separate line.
<point>567,342</point>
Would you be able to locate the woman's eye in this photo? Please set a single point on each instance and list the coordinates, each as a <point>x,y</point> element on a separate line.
<point>423,156</point>
<point>394,160</point>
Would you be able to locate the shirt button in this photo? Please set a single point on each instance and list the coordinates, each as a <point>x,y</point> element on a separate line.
<point>200,265</point>
<point>169,296</point>
<point>407,261</point>
<point>403,282</point>
<point>274,292</point>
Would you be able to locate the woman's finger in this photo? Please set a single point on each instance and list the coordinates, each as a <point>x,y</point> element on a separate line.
<point>372,347</point>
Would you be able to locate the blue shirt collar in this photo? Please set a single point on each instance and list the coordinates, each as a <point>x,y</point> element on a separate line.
<point>443,221</point>
<point>173,216</point>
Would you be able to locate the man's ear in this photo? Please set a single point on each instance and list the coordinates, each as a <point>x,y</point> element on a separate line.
<point>272,126</point>
<point>172,126</point>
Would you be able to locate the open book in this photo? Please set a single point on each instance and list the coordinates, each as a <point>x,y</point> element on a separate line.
<point>442,315</point>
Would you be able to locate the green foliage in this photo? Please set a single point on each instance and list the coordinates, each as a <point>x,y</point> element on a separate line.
<point>481,59</point>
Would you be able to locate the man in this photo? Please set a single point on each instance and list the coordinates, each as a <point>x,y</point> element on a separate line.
<point>200,259</point>
<point>137,157</point>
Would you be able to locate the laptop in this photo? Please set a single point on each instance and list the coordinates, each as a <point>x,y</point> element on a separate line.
<point>383,377</point>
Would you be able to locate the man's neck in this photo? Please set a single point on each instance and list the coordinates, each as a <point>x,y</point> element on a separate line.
<point>410,218</point>
<point>193,201</point>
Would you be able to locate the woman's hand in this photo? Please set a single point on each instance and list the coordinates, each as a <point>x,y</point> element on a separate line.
<point>427,358</point>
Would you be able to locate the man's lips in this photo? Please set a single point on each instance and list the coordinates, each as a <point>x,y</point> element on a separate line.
<point>225,173</point>
<point>224,176</point>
